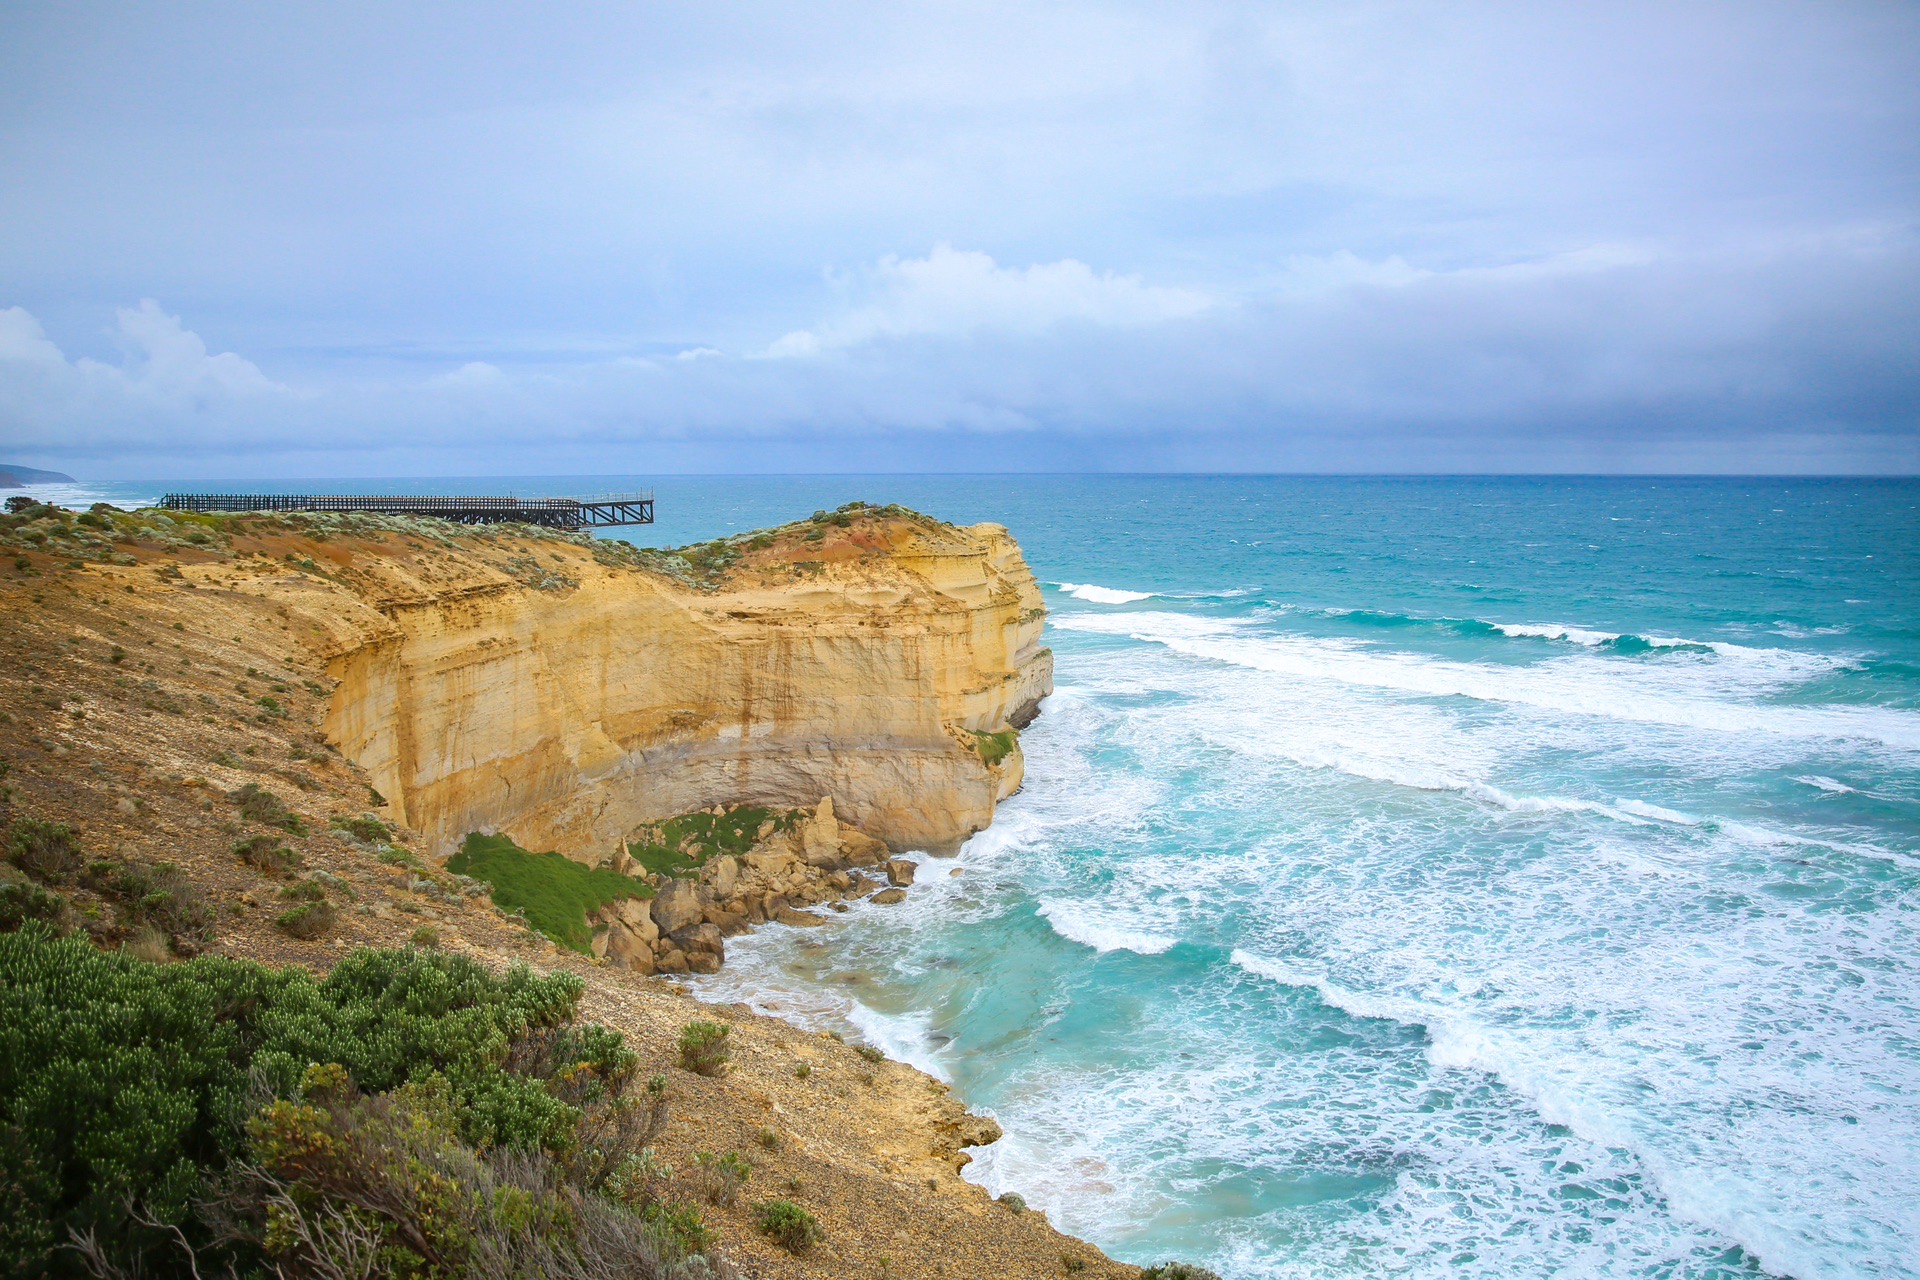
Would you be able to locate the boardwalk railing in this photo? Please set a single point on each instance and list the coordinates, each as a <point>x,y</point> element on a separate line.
<point>601,511</point>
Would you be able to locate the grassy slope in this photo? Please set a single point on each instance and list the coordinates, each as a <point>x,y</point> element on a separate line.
<point>553,892</point>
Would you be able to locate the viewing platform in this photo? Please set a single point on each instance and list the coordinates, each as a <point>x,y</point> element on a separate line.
<point>604,511</point>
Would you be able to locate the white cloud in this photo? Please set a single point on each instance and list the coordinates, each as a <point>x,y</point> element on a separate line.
<point>954,292</point>
<point>22,339</point>
<point>475,375</point>
<point>171,360</point>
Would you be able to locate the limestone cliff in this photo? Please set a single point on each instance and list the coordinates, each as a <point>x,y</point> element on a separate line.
<point>564,692</point>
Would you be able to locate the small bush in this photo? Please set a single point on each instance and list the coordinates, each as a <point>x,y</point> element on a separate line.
<point>394,856</point>
<point>1014,1201</point>
<point>1178,1271</point>
<point>20,903</point>
<point>705,1048</point>
<point>159,896</point>
<point>680,1225</point>
<point>425,936</point>
<point>768,1140</point>
<point>305,891</point>
<point>257,804</point>
<point>367,829</point>
<point>265,853</point>
<point>870,1053</point>
<point>788,1225</point>
<point>720,1177</point>
<point>149,944</point>
<point>307,921</point>
<point>47,851</point>
<point>803,1070</point>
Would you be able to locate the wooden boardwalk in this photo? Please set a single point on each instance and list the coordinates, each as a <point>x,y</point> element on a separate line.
<point>602,512</point>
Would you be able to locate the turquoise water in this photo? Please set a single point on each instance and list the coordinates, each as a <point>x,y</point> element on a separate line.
<point>1464,877</point>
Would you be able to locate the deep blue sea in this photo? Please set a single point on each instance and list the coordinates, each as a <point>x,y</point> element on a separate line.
<point>1425,877</point>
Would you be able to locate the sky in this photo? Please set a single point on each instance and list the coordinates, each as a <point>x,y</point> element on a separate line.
<point>351,239</point>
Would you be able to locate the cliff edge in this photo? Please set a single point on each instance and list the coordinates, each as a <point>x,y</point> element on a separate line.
<point>565,692</point>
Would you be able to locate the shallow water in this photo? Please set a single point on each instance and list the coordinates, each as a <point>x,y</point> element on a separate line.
<point>1465,877</point>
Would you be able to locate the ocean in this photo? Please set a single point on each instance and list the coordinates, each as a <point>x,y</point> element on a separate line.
<point>1423,877</point>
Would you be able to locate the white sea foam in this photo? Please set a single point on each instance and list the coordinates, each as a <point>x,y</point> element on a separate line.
<point>1552,631</point>
<point>1831,785</point>
<point>1076,922</point>
<point>1598,689</point>
<point>1102,595</point>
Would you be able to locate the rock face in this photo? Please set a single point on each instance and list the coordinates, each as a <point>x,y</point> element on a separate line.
<point>565,709</point>
<point>683,928</point>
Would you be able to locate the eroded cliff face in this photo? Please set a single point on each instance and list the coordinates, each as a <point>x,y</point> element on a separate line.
<point>545,689</point>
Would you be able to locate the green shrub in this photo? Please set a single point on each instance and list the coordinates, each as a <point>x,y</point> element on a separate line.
<point>124,1082</point>
<point>720,1176</point>
<point>1177,1271</point>
<point>992,748</point>
<point>768,1140</point>
<point>425,936</point>
<point>788,1225</point>
<point>1014,1201</point>
<point>553,892</point>
<point>705,1047</point>
<point>366,828</point>
<point>20,903</point>
<point>308,921</point>
<point>158,896</point>
<point>680,1226</point>
<point>305,891</point>
<point>871,1053</point>
<point>47,851</point>
<point>265,853</point>
<point>257,804</point>
<point>680,846</point>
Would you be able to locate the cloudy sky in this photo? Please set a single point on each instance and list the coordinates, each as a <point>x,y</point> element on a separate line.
<point>366,239</point>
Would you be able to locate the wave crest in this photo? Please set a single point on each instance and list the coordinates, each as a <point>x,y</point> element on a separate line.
<point>1102,595</point>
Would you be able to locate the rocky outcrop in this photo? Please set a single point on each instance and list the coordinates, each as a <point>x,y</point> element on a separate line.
<point>859,657</point>
<point>684,927</point>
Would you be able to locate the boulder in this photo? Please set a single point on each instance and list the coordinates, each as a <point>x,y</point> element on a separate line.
<point>820,838</point>
<point>635,914</point>
<point>771,861</point>
<point>887,897</point>
<point>673,962</point>
<point>721,875</point>
<point>703,962</point>
<point>627,950</point>
<point>859,849</point>
<point>729,923</point>
<point>676,906</point>
<point>699,939</point>
<point>800,919</point>
<point>899,872</point>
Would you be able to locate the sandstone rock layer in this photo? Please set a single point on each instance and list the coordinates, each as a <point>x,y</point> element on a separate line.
<point>566,706</point>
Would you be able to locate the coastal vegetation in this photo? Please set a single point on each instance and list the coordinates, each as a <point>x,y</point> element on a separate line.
<point>410,1114</point>
<point>680,846</point>
<point>553,893</point>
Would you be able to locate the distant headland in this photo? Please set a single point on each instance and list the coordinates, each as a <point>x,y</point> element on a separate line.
<point>14,477</point>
